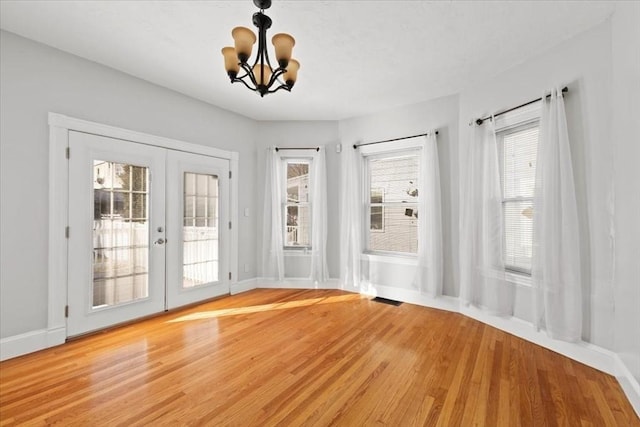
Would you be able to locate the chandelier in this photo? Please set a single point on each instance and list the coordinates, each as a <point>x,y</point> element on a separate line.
<point>261,77</point>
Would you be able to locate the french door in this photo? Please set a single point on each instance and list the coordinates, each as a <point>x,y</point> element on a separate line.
<point>145,230</point>
<point>197,189</point>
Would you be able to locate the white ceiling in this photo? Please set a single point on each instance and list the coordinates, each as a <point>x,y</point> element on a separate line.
<point>357,57</point>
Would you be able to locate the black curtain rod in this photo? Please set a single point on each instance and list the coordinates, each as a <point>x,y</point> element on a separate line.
<point>480,121</point>
<point>297,148</point>
<point>355,146</point>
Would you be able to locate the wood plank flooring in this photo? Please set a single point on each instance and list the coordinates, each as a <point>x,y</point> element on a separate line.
<point>304,358</point>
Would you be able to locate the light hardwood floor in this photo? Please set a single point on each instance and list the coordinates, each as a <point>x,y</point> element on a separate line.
<point>306,357</point>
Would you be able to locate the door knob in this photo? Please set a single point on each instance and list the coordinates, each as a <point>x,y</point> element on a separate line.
<point>160,241</point>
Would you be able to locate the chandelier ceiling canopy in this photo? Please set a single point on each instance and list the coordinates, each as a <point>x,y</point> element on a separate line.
<point>261,77</point>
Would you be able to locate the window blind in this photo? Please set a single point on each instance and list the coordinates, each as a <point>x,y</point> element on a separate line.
<point>518,148</point>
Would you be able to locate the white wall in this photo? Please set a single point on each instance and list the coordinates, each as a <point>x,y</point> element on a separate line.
<point>440,114</point>
<point>583,64</point>
<point>600,67</point>
<point>35,80</point>
<point>302,134</point>
<point>626,173</point>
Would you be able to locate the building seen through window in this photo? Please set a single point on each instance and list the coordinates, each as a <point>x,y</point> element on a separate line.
<point>297,207</point>
<point>393,202</point>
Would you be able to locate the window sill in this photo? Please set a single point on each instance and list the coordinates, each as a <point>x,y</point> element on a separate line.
<point>293,252</point>
<point>518,279</point>
<point>390,258</point>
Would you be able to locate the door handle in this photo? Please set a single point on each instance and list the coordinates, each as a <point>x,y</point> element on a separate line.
<point>160,241</point>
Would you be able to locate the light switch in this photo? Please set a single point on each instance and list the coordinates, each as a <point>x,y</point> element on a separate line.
<point>246,211</point>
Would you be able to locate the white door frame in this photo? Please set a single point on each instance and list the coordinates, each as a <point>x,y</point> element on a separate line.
<point>59,127</point>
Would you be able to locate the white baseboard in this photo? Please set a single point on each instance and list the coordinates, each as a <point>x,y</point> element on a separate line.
<point>411,296</point>
<point>297,283</point>
<point>243,286</point>
<point>29,342</point>
<point>628,382</point>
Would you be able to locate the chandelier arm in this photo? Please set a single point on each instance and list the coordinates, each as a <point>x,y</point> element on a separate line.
<point>274,76</point>
<point>242,76</point>
<point>282,86</point>
<point>249,72</point>
<point>245,83</point>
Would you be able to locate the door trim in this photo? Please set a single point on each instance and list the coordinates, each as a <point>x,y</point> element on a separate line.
<point>59,127</point>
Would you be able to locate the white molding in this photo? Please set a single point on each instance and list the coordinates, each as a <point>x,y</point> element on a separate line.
<point>58,220</point>
<point>243,286</point>
<point>233,217</point>
<point>406,144</point>
<point>297,253</point>
<point>72,123</point>
<point>411,296</point>
<point>628,383</point>
<point>377,257</point>
<point>30,342</point>
<point>298,283</point>
<point>518,279</point>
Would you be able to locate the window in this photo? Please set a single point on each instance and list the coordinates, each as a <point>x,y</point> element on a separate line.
<point>392,202</point>
<point>297,209</point>
<point>518,146</point>
<point>376,222</point>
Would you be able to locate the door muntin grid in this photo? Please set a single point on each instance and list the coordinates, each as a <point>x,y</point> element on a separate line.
<point>200,245</point>
<point>120,266</point>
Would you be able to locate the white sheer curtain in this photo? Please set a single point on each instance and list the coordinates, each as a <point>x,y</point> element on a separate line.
<point>350,217</point>
<point>555,268</point>
<point>482,275</point>
<point>319,269</point>
<point>429,220</point>
<point>272,245</point>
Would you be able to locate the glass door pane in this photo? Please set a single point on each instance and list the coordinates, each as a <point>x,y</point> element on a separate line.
<point>120,233</point>
<point>200,230</point>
